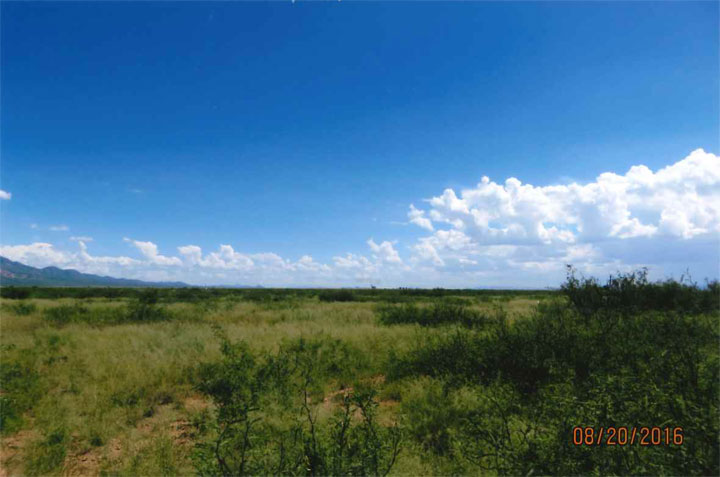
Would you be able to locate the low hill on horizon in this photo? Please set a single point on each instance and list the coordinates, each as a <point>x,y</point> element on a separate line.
<point>18,274</point>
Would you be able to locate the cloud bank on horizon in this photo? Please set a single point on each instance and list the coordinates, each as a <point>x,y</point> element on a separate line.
<point>493,234</point>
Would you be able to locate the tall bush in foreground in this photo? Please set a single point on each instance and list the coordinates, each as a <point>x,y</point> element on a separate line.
<point>267,421</point>
<point>608,356</point>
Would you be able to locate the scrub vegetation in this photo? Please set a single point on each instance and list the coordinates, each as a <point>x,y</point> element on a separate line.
<point>191,381</point>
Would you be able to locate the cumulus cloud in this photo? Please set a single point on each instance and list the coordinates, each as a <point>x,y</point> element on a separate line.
<point>81,238</point>
<point>384,252</point>
<point>59,228</point>
<point>150,251</point>
<point>41,254</point>
<point>271,268</point>
<point>494,234</point>
<point>38,254</point>
<point>192,254</point>
<point>418,218</point>
<point>225,258</point>
<point>529,227</point>
<point>681,200</point>
<point>307,263</point>
<point>4,195</point>
<point>353,261</point>
<point>96,263</point>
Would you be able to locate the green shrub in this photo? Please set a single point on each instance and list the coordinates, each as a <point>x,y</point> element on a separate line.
<point>23,308</point>
<point>48,454</point>
<point>632,292</point>
<point>477,427</point>
<point>142,310</point>
<point>430,415</point>
<point>20,385</point>
<point>66,314</point>
<point>498,435</point>
<point>439,313</point>
<point>605,357</point>
<point>456,356</point>
<point>257,433</point>
<point>15,293</point>
<point>336,295</point>
<point>323,357</point>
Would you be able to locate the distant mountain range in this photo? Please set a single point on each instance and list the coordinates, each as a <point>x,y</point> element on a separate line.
<point>16,274</point>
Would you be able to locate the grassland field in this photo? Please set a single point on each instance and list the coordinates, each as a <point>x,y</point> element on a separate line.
<point>451,382</point>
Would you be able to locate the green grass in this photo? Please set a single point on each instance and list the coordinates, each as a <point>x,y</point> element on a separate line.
<point>119,385</point>
<point>97,379</point>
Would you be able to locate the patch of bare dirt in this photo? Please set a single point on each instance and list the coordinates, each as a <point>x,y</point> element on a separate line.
<point>114,449</point>
<point>335,398</point>
<point>11,451</point>
<point>196,403</point>
<point>148,425</point>
<point>83,463</point>
<point>90,461</point>
<point>181,432</point>
<point>377,380</point>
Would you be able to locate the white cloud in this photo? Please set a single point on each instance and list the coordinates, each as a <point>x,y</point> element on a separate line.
<point>59,228</point>
<point>418,218</point>
<point>81,238</point>
<point>352,261</point>
<point>4,195</point>
<point>543,227</point>
<point>192,254</point>
<point>270,260</point>
<point>225,258</point>
<point>681,200</point>
<point>354,269</point>
<point>102,264</point>
<point>384,252</point>
<point>38,254</point>
<point>150,251</point>
<point>494,234</point>
<point>306,263</point>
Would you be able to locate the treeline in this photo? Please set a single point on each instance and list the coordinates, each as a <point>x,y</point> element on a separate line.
<point>632,292</point>
<point>198,294</point>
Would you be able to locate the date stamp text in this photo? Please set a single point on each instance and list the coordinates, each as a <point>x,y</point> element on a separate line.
<point>623,436</point>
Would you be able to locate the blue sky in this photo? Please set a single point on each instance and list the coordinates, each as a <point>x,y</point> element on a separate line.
<point>307,129</point>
